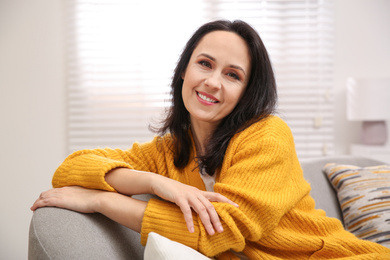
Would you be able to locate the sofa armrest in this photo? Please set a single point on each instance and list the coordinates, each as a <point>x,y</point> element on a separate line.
<point>63,234</point>
<point>57,233</point>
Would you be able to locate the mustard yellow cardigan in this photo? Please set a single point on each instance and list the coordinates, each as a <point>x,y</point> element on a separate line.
<point>276,218</point>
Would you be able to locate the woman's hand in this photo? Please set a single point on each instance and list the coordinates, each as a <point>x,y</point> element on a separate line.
<point>74,198</point>
<point>188,197</point>
<point>120,208</point>
<point>130,182</point>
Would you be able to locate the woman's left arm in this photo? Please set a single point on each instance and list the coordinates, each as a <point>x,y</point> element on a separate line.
<point>120,208</point>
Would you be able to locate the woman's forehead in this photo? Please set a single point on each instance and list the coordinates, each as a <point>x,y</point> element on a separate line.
<point>225,46</point>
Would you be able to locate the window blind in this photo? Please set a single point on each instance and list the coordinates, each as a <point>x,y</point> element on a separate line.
<point>121,55</point>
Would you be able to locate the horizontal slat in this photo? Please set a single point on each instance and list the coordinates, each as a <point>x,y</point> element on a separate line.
<point>119,75</point>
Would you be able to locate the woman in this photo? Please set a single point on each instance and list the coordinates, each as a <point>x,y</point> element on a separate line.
<point>226,168</point>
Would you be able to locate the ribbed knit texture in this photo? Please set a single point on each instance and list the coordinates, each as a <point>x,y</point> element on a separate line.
<point>276,218</point>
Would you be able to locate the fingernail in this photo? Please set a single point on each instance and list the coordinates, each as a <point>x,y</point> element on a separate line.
<point>220,229</point>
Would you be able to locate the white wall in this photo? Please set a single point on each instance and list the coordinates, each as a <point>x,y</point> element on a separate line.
<point>362,49</point>
<point>32,100</point>
<point>32,136</point>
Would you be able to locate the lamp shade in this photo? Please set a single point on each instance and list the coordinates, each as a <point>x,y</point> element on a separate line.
<point>368,99</point>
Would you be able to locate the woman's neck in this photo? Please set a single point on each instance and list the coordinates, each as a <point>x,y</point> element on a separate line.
<point>201,133</point>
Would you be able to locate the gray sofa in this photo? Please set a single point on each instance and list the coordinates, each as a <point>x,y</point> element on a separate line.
<point>62,234</point>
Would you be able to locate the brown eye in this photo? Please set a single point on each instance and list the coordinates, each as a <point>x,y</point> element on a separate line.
<point>205,63</point>
<point>233,75</point>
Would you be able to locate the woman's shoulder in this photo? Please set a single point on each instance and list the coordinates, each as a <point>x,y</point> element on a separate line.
<point>271,130</point>
<point>271,135</point>
<point>272,120</point>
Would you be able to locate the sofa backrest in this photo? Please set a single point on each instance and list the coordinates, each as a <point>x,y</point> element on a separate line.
<point>321,189</point>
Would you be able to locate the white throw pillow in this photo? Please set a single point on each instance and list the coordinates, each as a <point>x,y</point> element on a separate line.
<point>162,248</point>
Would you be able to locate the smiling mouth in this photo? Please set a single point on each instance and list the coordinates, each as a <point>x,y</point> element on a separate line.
<point>203,97</point>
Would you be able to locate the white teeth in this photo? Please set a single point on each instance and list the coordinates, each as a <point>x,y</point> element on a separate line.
<point>207,98</point>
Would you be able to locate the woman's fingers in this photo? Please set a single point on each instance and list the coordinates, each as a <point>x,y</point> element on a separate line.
<point>208,216</point>
<point>205,210</point>
<point>211,219</point>
<point>189,198</point>
<point>195,204</point>
<point>216,197</point>
<point>187,213</point>
<point>46,199</point>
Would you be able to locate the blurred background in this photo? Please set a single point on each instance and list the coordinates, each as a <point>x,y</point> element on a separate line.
<point>36,134</point>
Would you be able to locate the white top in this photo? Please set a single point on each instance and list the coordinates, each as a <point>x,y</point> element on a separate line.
<point>208,181</point>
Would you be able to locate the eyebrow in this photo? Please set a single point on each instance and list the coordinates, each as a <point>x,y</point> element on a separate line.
<point>231,66</point>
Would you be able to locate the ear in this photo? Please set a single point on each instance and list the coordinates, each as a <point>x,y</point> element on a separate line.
<point>183,74</point>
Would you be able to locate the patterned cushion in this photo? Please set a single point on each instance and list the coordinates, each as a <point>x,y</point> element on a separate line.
<point>364,196</point>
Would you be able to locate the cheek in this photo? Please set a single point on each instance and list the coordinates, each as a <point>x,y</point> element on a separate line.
<point>193,75</point>
<point>186,80</point>
<point>236,96</point>
<point>242,94</point>
<point>186,90</point>
<point>186,86</point>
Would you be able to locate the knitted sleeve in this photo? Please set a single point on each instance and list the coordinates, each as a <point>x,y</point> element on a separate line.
<point>87,168</point>
<point>261,173</point>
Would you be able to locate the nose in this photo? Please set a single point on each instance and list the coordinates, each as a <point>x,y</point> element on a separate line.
<point>213,81</point>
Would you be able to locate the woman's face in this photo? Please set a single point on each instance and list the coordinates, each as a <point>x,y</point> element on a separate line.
<point>216,77</point>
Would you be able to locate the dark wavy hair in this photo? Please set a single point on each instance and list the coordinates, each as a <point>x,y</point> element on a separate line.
<point>257,102</point>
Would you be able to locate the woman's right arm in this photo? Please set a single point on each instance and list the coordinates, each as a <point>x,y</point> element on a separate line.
<point>130,182</point>
<point>188,198</point>
<point>113,170</point>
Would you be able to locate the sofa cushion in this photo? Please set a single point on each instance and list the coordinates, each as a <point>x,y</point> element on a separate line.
<point>321,190</point>
<point>364,197</point>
